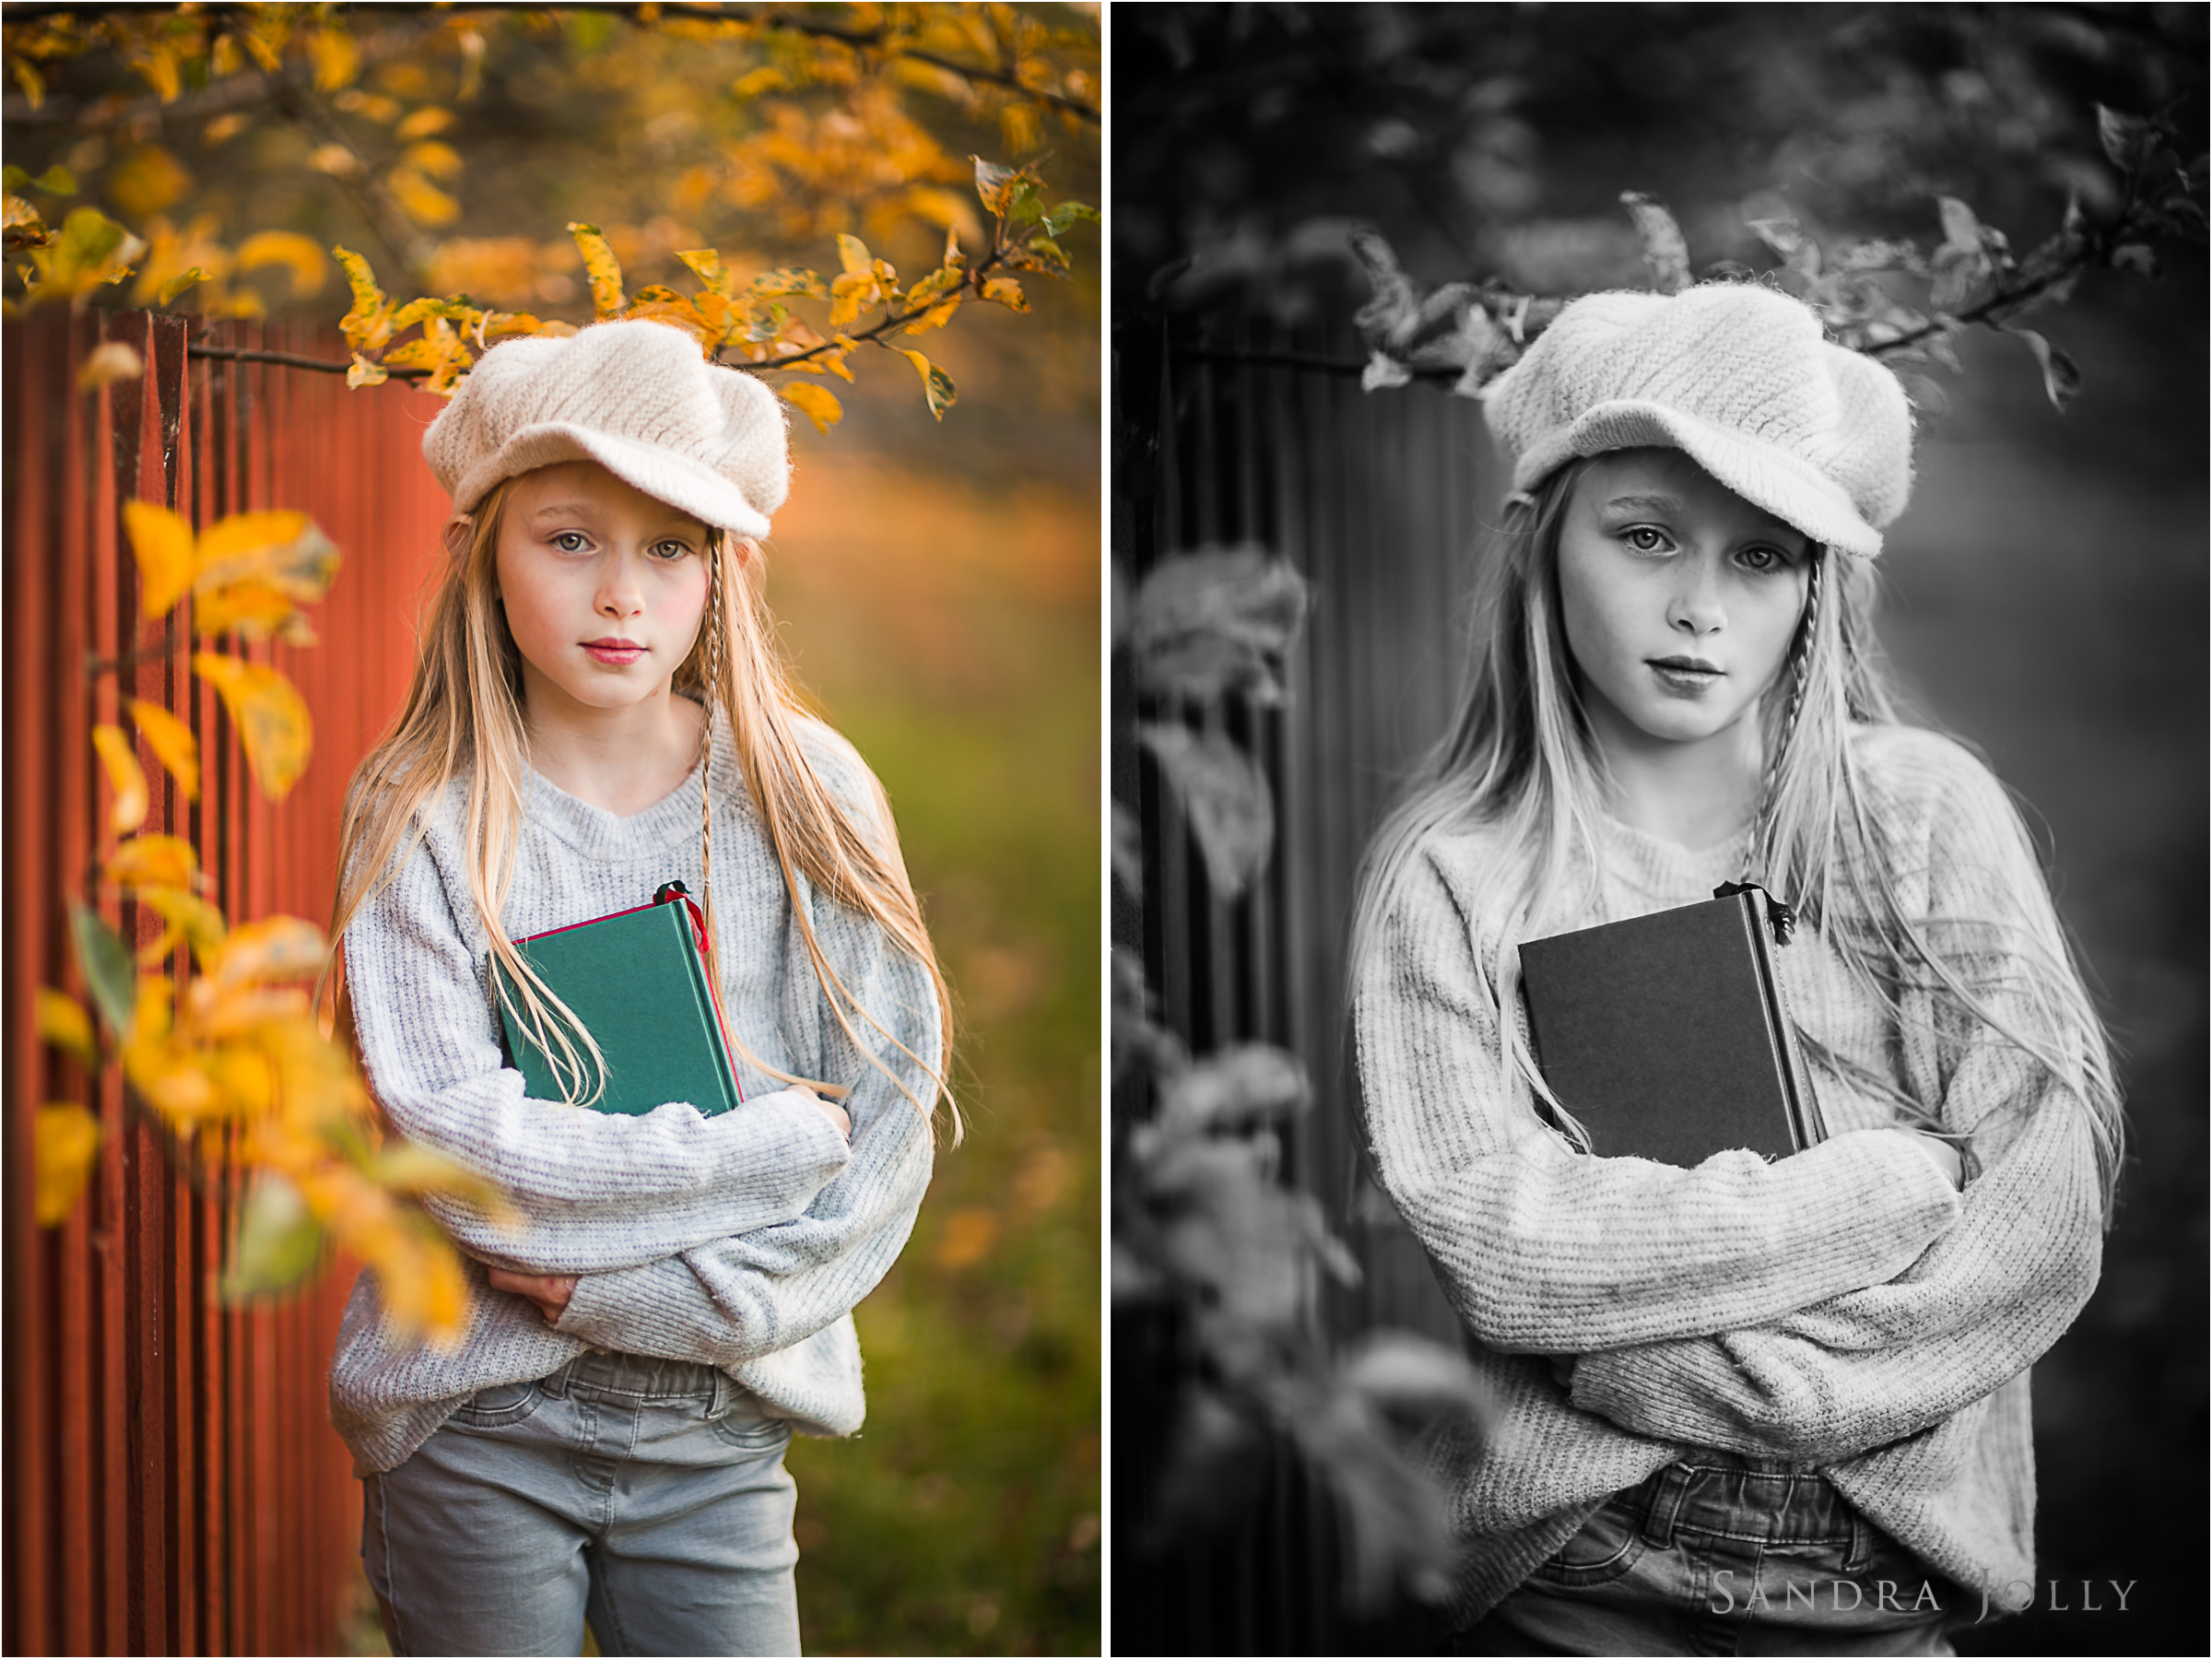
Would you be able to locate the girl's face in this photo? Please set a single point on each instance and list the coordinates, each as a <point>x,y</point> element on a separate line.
<point>1679,598</point>
<point>603,586</point>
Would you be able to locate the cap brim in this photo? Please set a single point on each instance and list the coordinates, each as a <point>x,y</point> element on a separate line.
<point>1769,478</point>
<point>683,483</point>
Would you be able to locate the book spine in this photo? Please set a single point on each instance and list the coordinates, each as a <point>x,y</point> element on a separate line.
<point>1804,1130</point>
<point>710,1003</point>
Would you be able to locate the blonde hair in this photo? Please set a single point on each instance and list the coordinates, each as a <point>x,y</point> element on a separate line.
<point>464,720</point>
<point>1520,760</point>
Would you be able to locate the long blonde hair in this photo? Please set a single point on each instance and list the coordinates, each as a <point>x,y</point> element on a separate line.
<point>463,719</point>
<point>1520,760</point>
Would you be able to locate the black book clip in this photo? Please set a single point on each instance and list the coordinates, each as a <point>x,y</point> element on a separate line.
<point>669,891</point>
<point>1780,917</point>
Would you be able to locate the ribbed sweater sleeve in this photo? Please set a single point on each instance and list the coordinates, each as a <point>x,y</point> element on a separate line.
<point>594,1190</point>
<point>739,1298</point>
<point>1994,1292</point>
<point>1543,1250</point>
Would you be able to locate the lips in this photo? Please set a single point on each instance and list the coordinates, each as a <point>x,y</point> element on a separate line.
<point>1687,675</point>
<point>616,653</point>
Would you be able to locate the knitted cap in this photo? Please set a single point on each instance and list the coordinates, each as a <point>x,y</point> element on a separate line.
<point>636,397</point>
<point>1736,376</point>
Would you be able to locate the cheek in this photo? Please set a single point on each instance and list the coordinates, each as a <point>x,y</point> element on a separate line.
<point>1593,613</point>
<point>1773,612</point>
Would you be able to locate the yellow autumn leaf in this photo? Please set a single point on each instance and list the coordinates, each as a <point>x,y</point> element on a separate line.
<point>853,254</point>
<point>190,918</point>
<point>64,1144</point>
<point>364,373</point>
<point>125,776</point>
<point>818,403</point>
<point>173,743</point>
<point>439,159</point>
<point>244,607</point>
<point>275,948</point>
<point>271,717</point>
<point>172,1076</point>
<point>423,123</point>
<point>936,385</point>
<point>300,256</point>
<point>601,266</point>
<point>706,265</point>
<point>255,569</point>
<point>62,1020</point>
<point>110,361</point>
<point>334,56</point>
<point>369,325</point>
<point>936,317</point>
<point>161,541</point>
<point>1006,291</point>
<point>165,861</point>
<point>422,201</point>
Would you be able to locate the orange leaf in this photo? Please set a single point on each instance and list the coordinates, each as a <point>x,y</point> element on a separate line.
<point>173,743</point>
<point>64,1145</point>
<point>271,716</point>
<point>276,947</point>
<point>125,776</point>
<point>153,861</point>
<point>62,1020</point>
<point>818,403</point>
<point>162,542</point>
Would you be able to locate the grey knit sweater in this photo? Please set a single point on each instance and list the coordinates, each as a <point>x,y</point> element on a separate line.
<point>741,1241</point>
<point>1843,1309</point>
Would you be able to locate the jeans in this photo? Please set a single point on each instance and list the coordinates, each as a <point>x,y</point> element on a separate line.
<point>646,1495</point>
<point>1725,1554</point>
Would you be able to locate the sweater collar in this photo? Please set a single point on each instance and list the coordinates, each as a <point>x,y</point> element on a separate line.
<point>1664,871</point>
<point>594,833</point>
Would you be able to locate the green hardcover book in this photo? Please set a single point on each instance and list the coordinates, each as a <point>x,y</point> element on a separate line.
<point>639,981</point>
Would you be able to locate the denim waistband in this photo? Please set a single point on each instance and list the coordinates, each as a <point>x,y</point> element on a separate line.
<point>1751,1501</point>
<point>638,1377</point>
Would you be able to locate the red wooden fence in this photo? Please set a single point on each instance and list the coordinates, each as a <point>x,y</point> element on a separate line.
<point>171,1482</point>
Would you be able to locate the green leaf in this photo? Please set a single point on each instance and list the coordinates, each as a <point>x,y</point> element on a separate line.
<point>1225,797</point>
<point>278,1241</point>
<point>1066,213</point>
<point>105,961</point>
<point>56,180</point>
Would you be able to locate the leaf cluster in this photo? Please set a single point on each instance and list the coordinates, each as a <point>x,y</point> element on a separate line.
<point>1893,299</point>
<point>1204,1229</point>
<point>212,1027</point>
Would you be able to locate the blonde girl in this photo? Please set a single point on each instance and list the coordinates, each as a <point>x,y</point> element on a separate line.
<point>597,710</point>
<point>1743,1407</point>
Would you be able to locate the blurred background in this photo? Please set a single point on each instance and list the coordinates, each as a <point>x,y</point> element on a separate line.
<point>937,581</point>
<point>2044,597</point>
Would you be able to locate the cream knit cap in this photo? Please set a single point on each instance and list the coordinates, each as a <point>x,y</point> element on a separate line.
<point>1736,376</point>
<point>636,397</point>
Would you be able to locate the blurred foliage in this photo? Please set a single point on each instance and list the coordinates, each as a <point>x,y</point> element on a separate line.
<point>1220,1259</point>
<point>950,627</point>
<point>209,1029</point>
<point>448,141</point>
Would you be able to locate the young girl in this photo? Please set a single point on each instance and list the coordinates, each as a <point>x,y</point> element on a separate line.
<point>597,710</point>
<point>1744,1408</point>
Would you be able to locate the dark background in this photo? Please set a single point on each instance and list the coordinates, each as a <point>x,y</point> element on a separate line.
<point>2045,595</point>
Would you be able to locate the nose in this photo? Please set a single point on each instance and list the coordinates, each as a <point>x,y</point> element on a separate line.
<point>1695,607</point>
<point>619,594</point>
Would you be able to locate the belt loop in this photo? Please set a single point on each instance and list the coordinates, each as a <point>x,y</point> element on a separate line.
<point>719,1406</point>
<point>1667,1501</point>
<point>1861,1542</point>
<point>557,1383</point>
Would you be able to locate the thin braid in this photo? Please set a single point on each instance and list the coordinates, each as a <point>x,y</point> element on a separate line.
<point>713,699</point>
<point>1756,852</point>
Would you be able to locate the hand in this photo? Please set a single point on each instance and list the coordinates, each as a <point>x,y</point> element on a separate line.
<point>548,1291</point>
<point>1945,1154</point>
<point>828,1109</point>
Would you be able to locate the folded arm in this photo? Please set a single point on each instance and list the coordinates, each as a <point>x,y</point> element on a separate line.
<point>1992,1294</point>
<point>1545,1251</point>
<point>740,1297</point>
<point>594,1190</point>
